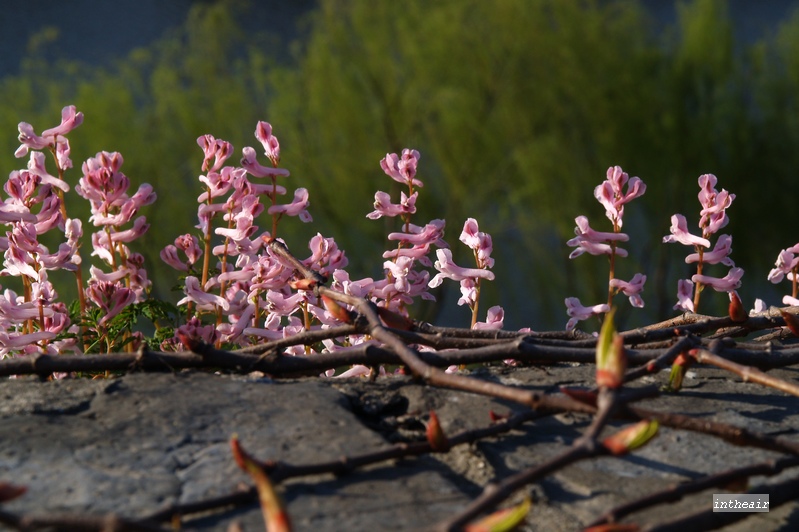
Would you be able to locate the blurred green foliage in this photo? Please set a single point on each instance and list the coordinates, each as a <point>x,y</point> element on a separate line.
<point>518,107</point>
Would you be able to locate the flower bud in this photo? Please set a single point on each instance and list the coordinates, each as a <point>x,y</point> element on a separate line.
<point>435,435</point>
<point>505,519</point>
<point>631,438</point>
<point>678,369</point>
<point>611,362</point>
<point>736,308</point>
<point>791,321</point>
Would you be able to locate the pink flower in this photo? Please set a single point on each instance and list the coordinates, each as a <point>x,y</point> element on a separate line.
<point>30,140</point>
<point>612,196</point>
<point>468,292</point>
<point>359,288</point>
<point>17,310</point>
<point>23,187</point>
<point>479,242</point>
<point>786,262</point>
<point>449,270</point>
<point>577,312</point>
<point>263,132</point>
<point>714,204</point>
<point>720,253</point>
<point>99,275</point>
<point>790,301</point>
<point>255,169</point>
<point>216,149</point>
<point>61,260</point>
<point>399,272</point>
<point>145,195</point>
<point>584,230</point>
<point>384,207</point>
<point>326,257</point>
<point>49,215</point>
<point>140,226</point>
<point>761,306</point>
<point>190,247</point>
<point>728,283</point>
<point>194,328</point>
<point>431,233</point>
<point>37,167</point>
<point>282,305</point>
<point>298,207</point>
<point>70,119</point>
<point>219,183</point>
<point>14,211</point>
<point>357,370</point>
<point>18,263</point>
<point>495,319</point>
<point>103,185</point>
<point>101,247</point>
<point>243,227</point>
<point>632,289</point>
<point>402,169</point>
<point>111,297</point>
<point>679,233</point>
<point>593,248</point>
<point>203,300</point>
<point>17,341</point>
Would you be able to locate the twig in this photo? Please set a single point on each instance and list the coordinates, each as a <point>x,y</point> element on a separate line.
<point>746,373</point>
<point>584,447</point>
<point>779,494</point>
<point>678,491</point>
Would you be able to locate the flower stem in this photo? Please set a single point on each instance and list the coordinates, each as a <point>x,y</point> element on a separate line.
<point>612,272</point>
<point>698,287</point>
<point>476,306</point>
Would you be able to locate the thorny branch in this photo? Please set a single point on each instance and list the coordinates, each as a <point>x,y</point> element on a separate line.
<point>707,340</point>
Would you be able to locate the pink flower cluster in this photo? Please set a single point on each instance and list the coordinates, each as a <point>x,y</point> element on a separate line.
<point>405,277</point>
<point>31,322</point>
<point>787,265</point>
<point>248,287</point>
<point>106,189</point>
<point>614,193</point>
<point>712,218</point>
<point>35,320</point>
<point>469,278</point>
<point>238,291</point>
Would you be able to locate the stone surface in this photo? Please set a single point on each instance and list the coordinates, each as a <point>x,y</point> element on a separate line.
<point>140,442</point>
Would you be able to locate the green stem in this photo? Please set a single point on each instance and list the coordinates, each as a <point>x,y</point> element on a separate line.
<point>612,272</point>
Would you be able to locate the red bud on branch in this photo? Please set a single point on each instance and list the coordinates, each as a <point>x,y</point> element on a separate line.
<point>678,369</point>
<point>584,396</point>
<point>10,491</point>
<point>736,309</point>
<point>611,361</point>
<point>435,435</point>
<point>631,438</point>
<point>303,284</point>
<point>502,520</point>
<point>192,344</point>
<point>336,310</point>
<point>497,417</point>
<point>274,511</point>
<point>394,320</point>
<point>791,321</point>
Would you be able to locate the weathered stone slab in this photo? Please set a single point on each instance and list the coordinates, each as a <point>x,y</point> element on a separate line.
<point>138,443</point>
